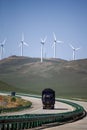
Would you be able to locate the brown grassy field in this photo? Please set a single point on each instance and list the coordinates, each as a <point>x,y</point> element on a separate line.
<point>10,101</point>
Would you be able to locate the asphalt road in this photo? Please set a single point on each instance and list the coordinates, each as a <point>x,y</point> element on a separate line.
<point>78,125</point>
<point>37,107</point>
<point>59,108</point>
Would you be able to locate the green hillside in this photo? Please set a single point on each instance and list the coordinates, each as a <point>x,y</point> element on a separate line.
<point>5,87</point>
<point>24,74</point>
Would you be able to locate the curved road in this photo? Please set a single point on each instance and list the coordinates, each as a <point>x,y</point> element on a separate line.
<point>59,108</point>
<point>37,107</point>
<point>78,125</point>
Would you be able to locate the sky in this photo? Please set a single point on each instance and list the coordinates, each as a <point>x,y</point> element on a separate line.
<point>40,18</point>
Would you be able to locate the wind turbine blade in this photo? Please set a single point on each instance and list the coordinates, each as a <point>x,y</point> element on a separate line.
<point>54,36</point>
<point>77,49</point>
<point>72,46</point>
<point>22,36</point>
<point>25,43</point>
<point>42,40</point>
<point>59,41</point>
<point>4,41</point>
<point>45,39</point>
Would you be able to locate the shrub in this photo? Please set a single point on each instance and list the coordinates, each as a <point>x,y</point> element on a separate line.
<point>13,99</point>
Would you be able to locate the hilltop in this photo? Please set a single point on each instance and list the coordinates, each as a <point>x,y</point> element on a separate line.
<point>67,78</point>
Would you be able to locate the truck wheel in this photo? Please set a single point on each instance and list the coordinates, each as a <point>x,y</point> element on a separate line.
<point>52,107</point>
<point>44,107</point>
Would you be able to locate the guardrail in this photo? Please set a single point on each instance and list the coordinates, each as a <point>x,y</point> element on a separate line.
<point>28,121</point>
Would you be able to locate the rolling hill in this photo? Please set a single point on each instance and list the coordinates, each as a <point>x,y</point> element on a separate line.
<point>25,74</point>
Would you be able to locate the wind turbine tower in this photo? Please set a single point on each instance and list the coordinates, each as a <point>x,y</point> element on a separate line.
<point>42,46</point>
<point>22,44</point>
<point>2,47</point>
<point>74,50</point>
<point>54,44</point>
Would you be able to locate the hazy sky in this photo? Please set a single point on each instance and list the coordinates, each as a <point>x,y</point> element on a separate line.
<point>40,18</point>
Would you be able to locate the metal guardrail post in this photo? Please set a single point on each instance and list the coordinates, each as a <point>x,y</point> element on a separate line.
<point>15,126</point>
<point>35,124</point>
<point>7,126</point>
<point>39,123</point>
<point>26,126</point>
<point>23,125</point>
<point>19,126</point>
<point>30,125</point>
<point>3,127</point>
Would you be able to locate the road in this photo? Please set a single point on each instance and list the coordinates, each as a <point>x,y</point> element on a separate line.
<point>38,109</point>
<point>59,108</point>
<point>78,125</point>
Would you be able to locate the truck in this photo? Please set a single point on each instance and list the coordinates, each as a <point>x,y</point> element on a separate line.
<point>48,98</point>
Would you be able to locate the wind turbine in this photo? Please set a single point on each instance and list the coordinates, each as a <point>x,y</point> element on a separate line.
<point>45,54</point>
<point>22,43</point>
<point>2,47</point>
<point>74,50</point>
<point>54,44</point>
<point>42,45</point>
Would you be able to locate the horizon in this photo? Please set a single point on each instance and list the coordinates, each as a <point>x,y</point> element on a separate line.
<point>51,58</point>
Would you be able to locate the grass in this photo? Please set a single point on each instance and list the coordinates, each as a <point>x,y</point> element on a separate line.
<point>28,75</point>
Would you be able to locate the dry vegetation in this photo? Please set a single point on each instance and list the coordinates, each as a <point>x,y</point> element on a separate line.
<point>11,101</point>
